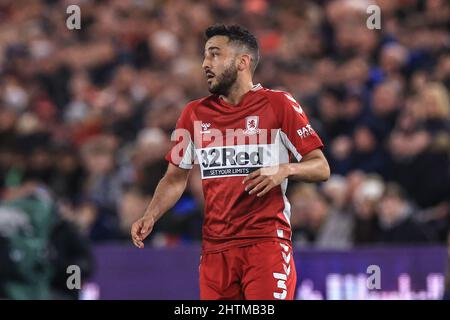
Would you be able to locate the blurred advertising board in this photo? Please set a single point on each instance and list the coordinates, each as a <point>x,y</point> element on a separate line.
<point>124,272</point>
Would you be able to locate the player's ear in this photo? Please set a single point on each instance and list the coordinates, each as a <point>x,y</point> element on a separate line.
<point>244,62</point>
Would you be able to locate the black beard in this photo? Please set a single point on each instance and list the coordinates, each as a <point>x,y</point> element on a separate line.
<point>225,81</point>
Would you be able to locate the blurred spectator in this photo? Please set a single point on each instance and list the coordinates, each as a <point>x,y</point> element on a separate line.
<point>69,247</point>
<point>37,245</point>
<point>419,147</point>
<point>365,192</point>
<point>102,184</point>
<point>67,174</point>
<point>132,204</point>
<point>397,223</point>
<point>26,219</point>
<point>368,155</point>
<point>336,232</point>
<point>315,222</point>
<point>148,158</point>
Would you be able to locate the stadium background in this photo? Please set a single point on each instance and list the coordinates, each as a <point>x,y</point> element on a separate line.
<point>86,117</point>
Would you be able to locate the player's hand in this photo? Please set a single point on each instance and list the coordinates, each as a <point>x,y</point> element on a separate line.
<point>141,229</point>
<point>263,180</point>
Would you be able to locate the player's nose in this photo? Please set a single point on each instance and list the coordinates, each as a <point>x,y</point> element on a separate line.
<point>206,66</point>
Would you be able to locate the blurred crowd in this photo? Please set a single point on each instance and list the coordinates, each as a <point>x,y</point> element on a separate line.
<point>88,114</point>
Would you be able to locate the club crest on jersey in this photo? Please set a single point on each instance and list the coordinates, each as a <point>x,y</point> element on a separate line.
<point>251,124</point>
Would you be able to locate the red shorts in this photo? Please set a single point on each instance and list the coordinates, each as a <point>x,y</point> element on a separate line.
<point>261,271</point>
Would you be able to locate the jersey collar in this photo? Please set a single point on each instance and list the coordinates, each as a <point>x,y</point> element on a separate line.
<point>255,87</point>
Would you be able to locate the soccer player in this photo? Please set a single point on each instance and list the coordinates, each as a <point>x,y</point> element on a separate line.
<point>243,136</point>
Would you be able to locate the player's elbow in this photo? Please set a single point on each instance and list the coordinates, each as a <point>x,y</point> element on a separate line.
<point>324,170</point>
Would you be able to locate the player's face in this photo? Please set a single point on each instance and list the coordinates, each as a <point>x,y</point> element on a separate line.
<point>220,65</point>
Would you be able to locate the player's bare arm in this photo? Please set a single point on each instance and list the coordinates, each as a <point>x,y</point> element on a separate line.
<point>167,193</point>
<point>313,168</point>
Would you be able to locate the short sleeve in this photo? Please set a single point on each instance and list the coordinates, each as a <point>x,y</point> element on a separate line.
<point>297,134</point>
<point>182,152</point>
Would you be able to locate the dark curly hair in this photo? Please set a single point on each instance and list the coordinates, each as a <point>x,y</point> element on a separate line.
<point>239,36</point>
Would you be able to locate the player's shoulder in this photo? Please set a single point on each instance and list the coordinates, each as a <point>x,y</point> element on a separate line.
<point>278,95</point>
<point>281,99</point>
<point>194,104</point>
<point>190,107</point>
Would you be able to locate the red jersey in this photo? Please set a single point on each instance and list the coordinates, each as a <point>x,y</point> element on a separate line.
<point>229,142</point>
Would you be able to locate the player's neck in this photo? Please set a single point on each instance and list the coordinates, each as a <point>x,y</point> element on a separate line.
<point>237,91</point>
